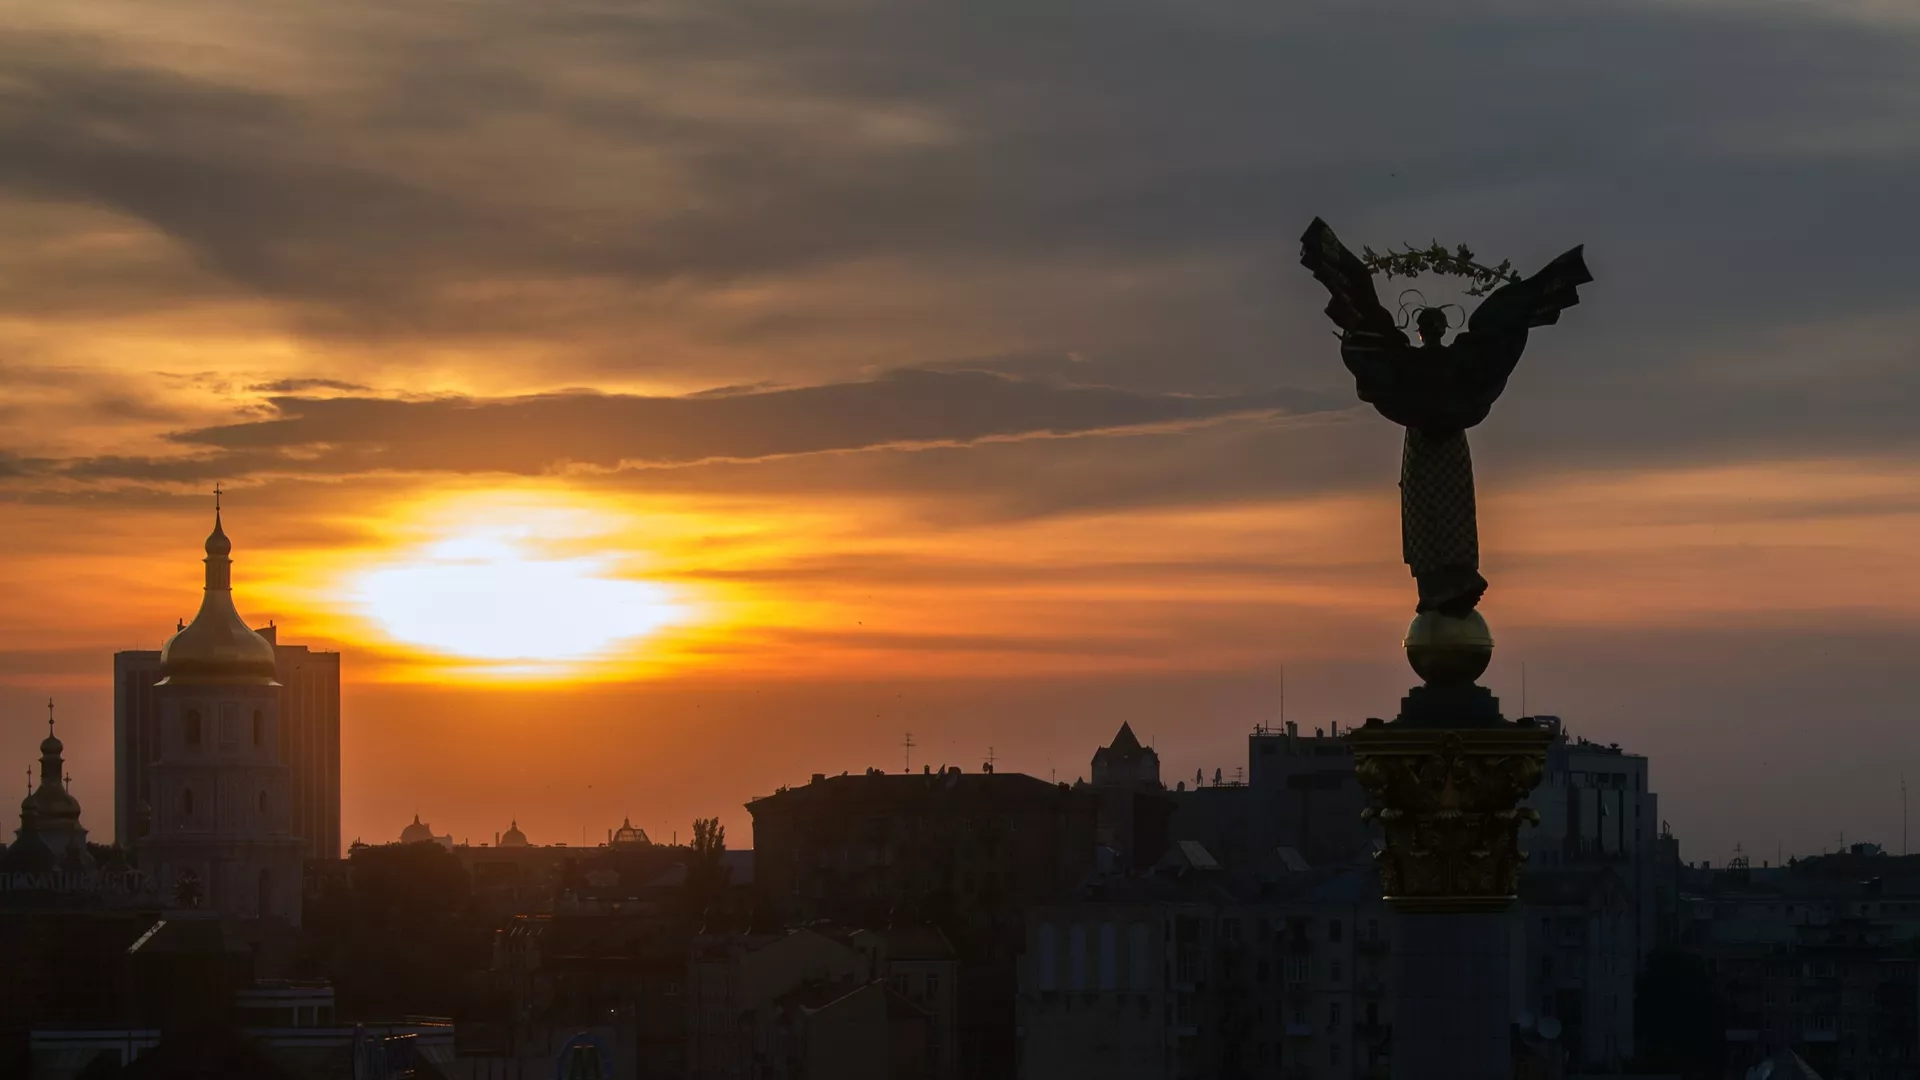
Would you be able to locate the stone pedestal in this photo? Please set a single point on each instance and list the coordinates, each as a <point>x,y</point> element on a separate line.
<point>1453,1015</point>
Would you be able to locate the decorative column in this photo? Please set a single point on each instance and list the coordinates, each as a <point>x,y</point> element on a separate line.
<point>1446,779</point>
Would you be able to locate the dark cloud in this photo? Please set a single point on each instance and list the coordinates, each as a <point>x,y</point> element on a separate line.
<point>304,386</point>
<point>544,433</point>
<point>1105,193</point>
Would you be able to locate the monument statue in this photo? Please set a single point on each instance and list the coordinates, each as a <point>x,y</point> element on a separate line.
<point>1448,777</point>
<point>1437,391</point>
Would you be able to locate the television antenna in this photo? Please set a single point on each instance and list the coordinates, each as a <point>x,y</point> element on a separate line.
<point>907,745</point>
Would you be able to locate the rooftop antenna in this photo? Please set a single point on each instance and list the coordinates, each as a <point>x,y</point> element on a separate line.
<point>1903,816</point>
<point>1523,688</point>
<point>1283,697</point>
<point>990,758</point>
<point>907,745</point>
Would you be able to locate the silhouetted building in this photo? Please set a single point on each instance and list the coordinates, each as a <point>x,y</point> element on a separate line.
<point>309,740</point>
<point>221,835</point>
<point>1581,957</point>
<point>822,1000</point>
<point>1196,970</point>
<point>1300,793</point>
<point>1134,807</point>
<point>1817,959</point>
<point>1597,808</point>
<point>975,845</point>
<point>969,851</point>
<point>50,836</point>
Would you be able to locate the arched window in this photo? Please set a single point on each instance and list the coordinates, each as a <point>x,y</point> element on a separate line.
<point>193,727</point>
<point>259,725</point>
<point>263,802</point>
<point>186,802</point>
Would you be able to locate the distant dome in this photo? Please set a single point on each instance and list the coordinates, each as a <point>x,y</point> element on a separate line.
<point>627,833</point>
<point>416,833</point>
<point>513,837</point>
<point>218,646</point>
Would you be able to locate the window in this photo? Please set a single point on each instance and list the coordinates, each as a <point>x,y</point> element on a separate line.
<point>1109,957</point>
<point>1138,959</point>
<point>1333,1054</point>
<point>259,726</point>
<point>1333,930</point>
<point>1077,957</point>
<point>1043,944</point>
<point>186,802</point>
<point>263,802</point>
<point>1333,1015</point>
<point>192,727</point>
<point>1335,971</point>
<point>933,987</point>
<point>266,891</point>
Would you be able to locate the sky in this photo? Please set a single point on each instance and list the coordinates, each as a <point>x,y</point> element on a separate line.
<point>660,402</point>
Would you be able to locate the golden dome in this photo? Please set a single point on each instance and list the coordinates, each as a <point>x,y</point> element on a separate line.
<point>513,837</point>
<point>218,646</point>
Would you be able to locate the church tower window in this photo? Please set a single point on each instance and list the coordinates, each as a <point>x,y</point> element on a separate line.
<point>259,724</point>
<point>263,802</point>
<point>186,802</point>
<point>193,727</point>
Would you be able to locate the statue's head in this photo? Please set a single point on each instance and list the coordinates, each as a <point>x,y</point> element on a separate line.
<point>1432,324</point>
<point>1429,319</point>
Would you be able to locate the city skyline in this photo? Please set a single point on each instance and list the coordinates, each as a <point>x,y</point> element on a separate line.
<point>867,403</point>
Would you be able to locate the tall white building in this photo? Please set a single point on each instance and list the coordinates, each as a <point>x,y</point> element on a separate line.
<point>219,835</point>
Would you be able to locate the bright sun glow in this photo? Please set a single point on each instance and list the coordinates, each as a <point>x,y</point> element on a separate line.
<point>496,591</point>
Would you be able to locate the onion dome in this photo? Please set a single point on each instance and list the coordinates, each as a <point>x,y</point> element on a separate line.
<point>416,833</point>
<point>513,837</point>
<point>218,646</point>
<point>53,806</point>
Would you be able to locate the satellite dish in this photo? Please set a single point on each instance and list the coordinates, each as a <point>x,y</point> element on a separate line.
<point>1524,1021</point>
<point>1549,1028</point>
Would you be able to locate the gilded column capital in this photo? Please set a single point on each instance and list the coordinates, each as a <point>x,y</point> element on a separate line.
<point>1448,804</point>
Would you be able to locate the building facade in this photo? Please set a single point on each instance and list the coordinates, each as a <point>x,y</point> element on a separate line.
<point>1208,973</point>
<point>309,722</point>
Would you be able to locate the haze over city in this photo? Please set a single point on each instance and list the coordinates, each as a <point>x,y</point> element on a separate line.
<point>657,404</point>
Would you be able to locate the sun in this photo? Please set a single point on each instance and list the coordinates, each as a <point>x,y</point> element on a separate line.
<point>522,587</point>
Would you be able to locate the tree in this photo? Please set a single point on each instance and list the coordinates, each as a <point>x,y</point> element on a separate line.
<point>707,872</point>
<point>1679,1021</point>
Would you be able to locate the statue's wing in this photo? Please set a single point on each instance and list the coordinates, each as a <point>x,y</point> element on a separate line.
<point>1536,301</point>
<point>1352,305</point>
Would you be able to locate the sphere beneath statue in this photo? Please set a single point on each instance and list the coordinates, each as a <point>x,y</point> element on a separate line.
<point>1449,650</point>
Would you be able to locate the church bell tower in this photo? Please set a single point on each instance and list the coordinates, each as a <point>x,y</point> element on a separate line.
<point>220,837</point>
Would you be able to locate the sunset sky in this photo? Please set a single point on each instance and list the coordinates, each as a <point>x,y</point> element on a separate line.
<point>658,401</point>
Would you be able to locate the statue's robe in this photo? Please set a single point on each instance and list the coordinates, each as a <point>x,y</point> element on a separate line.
<point>1437,392</point>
